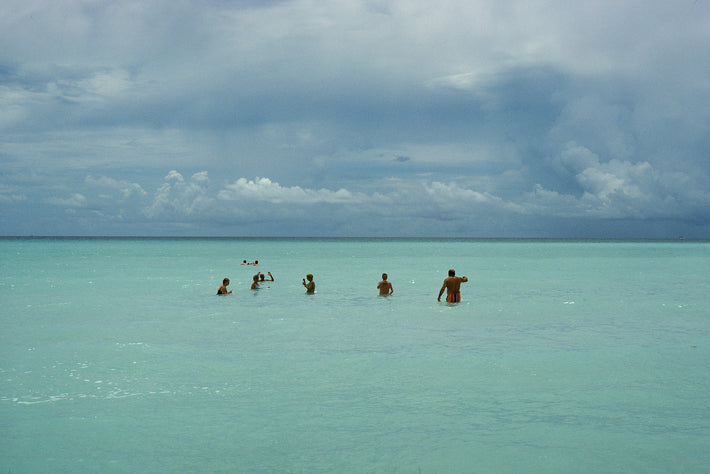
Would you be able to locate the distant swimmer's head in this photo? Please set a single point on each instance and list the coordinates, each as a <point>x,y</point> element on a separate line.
<point>384,276</point>
<point>256,277</point>
<point>225,281</point>
<point>309,276</point>
<point>452,272</point>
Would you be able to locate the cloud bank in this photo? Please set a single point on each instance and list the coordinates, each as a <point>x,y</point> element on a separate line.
<point>473,119</point>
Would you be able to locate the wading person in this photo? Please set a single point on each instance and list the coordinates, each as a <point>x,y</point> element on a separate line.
<point>384,286</point>
<point>310,285</point>
<point>222,290</point>
<point>452,285</point>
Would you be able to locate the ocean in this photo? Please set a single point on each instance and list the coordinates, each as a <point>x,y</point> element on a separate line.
<point>116,355</point>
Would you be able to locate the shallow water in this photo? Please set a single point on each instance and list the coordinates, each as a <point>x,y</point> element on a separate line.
<point>116,356</point>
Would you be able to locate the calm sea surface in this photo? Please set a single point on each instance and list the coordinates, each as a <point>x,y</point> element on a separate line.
<point>116,356</point>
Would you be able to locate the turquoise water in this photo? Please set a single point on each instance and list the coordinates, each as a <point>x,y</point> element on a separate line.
<point>116,356</point>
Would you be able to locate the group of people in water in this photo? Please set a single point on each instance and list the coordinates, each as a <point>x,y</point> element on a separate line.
<point>452,284</point>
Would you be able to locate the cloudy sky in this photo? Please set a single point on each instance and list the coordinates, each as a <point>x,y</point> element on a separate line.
<point>475,118</point>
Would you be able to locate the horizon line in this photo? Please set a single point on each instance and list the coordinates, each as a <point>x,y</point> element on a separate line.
<point>295,237</point>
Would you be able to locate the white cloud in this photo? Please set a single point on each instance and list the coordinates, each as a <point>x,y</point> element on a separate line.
<point>75,200</point>
<point>174,176</point>
<point>466,81</point>
<point>105,84</point>
<point>618,178</point>
<point>263,189</point>
<point>11,193</point>
<point>12,197</point>
<point>452,194</point>
<point>619,189</point>
<point>177,197</point>
<point>451,197</point>
<point>127,189</point>
<point>574,159</point>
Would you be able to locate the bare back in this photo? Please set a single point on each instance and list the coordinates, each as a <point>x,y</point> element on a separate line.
<point>453,284</point>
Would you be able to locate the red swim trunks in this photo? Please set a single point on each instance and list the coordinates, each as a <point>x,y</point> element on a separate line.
<point>453,297</point>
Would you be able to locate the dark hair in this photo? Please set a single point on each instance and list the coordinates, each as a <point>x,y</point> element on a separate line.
<point>452,272</point>
<point>226,280</point>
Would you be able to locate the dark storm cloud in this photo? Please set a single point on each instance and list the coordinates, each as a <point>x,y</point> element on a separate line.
<point>403,118</point>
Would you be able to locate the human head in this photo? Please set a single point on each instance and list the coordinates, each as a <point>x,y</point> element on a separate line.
<point>256,277</point>
<point>452,272</point>
<point>384,276</point>
<point>261,276</point>
<point>309,276</point>
<point>225,282</point>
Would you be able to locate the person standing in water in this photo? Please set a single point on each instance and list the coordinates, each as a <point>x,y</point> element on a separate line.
<point>310,285</point>
<point>222,290</point>
<point>384,286</point>
<point>452,284</point>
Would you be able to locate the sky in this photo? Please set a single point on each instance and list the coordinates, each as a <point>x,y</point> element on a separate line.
<point>305,118</point>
